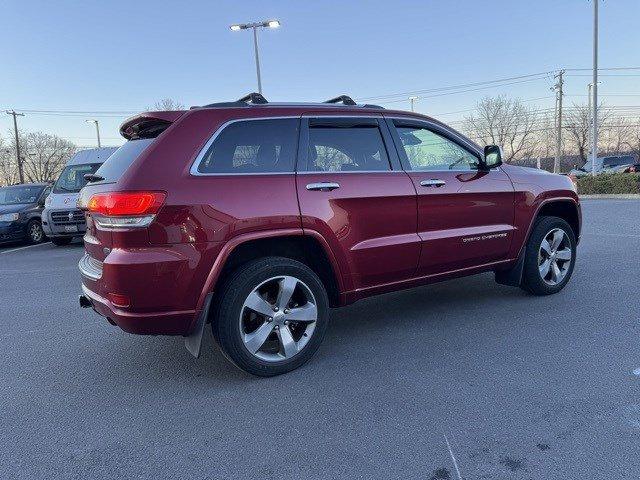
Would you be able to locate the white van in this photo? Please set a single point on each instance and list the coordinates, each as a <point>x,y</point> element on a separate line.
<point>61,219</point>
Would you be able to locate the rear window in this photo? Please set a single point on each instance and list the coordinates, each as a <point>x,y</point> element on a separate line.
<point>121,159</point>
<point>71,180</point>
<point>253,146</point>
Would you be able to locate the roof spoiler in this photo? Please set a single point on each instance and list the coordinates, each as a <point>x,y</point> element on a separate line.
<point>148,124</point>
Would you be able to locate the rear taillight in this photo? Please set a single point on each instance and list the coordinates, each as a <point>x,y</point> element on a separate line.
<point>125,209</point>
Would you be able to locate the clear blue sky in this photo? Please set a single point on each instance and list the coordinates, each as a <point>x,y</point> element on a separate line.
<point>125,55</point>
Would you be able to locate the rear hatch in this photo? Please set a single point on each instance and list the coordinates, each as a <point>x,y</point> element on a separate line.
<point>140,132</point>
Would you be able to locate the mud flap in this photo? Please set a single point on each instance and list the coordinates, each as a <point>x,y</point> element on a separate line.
<point>513,276</point>
<point>193,341</point>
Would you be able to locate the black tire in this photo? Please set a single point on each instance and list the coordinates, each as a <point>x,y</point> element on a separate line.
<point>226,324</point>
<point>61,241</point>
<point>35,234</point>
<point>532,280</point>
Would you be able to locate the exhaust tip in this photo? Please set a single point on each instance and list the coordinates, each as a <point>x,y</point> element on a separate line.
<point>84,301</point>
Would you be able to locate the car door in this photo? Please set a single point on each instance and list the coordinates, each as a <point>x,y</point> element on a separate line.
<point>465,214</point>
<point>353,191</point>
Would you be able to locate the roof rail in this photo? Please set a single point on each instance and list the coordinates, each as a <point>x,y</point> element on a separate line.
<point>253,97</point>
<point>344,99</point>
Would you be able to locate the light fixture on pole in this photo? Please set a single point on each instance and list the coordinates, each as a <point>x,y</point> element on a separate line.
<point>255,26</point>
<point>97,130</point>
<point>412,99</point>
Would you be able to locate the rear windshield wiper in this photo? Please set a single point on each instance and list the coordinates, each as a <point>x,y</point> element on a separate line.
<point>92,177</point>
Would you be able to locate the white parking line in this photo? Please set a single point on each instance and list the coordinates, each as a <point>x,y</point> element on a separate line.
<point>22,248</point>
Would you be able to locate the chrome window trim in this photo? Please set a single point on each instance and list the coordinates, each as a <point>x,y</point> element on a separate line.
<point>198,160</point>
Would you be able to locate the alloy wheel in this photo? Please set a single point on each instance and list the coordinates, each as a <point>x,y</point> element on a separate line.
<point>278,318</point>
<point>36,233</point>
<point>555,256</point>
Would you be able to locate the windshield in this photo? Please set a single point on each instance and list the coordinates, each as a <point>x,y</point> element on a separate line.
<point>115,166</point>
<point>20,194</point>
<point>71,180</point>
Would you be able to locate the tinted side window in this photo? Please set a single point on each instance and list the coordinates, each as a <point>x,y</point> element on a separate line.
<point>427,150</point>
<point>253,146</point>
<point>346,148</point>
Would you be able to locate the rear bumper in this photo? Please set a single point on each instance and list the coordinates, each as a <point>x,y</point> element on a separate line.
<point>163,286</point>
<point>152,323</point>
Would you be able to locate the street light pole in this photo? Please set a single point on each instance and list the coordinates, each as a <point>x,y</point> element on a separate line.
<point>254,26</point>
<point>97,130</point>
<point>15,129</point>
<point>412,100</point>
<point>594,150</point>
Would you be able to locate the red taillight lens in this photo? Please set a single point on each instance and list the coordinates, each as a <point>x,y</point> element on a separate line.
<point>126,203</point>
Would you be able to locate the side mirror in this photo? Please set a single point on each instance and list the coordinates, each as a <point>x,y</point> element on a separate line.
<point>492,156</point>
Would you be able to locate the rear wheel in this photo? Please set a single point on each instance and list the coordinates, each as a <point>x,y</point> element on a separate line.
<point>549,257</point>
<point>271,316</point>
<point>35,234</point>
<point>61,241</point>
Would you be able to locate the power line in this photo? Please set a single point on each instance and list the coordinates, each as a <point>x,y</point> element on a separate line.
<point>542,75</point>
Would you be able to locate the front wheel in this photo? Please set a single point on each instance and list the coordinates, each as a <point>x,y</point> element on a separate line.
<point>271,316</point>
<point>35,234</point>
<point>549,257</point>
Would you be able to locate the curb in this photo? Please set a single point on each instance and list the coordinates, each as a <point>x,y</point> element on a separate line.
<point>612,196</point>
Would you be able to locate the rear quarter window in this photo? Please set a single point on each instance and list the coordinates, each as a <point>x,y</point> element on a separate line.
<point>120,160</point>
<point>252,146</point>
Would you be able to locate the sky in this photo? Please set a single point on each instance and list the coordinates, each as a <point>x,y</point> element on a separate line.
<point>115,58</point>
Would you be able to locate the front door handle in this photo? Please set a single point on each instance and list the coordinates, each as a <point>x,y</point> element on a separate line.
<point>435,183</point>
<point>323,186</point>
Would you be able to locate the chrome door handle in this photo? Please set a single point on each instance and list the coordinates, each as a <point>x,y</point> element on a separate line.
<point>323,186</point>
<point>433,183</point>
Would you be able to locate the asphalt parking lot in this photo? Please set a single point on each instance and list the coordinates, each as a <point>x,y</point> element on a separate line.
<point>465,375</point>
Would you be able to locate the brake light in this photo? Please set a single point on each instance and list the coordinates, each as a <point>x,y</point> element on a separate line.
<point>126,203</point>
<point>123,210</point>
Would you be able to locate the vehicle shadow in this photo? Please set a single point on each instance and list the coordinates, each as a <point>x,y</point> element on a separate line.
<point>353,330</point>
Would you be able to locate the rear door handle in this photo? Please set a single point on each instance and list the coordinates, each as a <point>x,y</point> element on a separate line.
<point>433,183</point>
<point>323,186</point>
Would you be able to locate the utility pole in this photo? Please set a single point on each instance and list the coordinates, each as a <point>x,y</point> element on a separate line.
<point>594,150</point>
<point>412,100</point>
<point>15,129</point>
<point>97,130</point>
<point>558,87</point>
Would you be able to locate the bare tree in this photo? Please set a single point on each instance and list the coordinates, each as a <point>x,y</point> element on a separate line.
<point>166,104</point>
<point>8,167</point>
<point>503,121</point>
<point>44,155</point>
<point>619,136</point>
<point>578,128</point>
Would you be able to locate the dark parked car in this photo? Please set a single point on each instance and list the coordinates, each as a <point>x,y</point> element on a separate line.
<point>20,212</point>
<point>612,164</point>
<point>257,217</point>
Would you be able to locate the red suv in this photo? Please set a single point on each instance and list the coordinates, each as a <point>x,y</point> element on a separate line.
<point>258,217</point>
